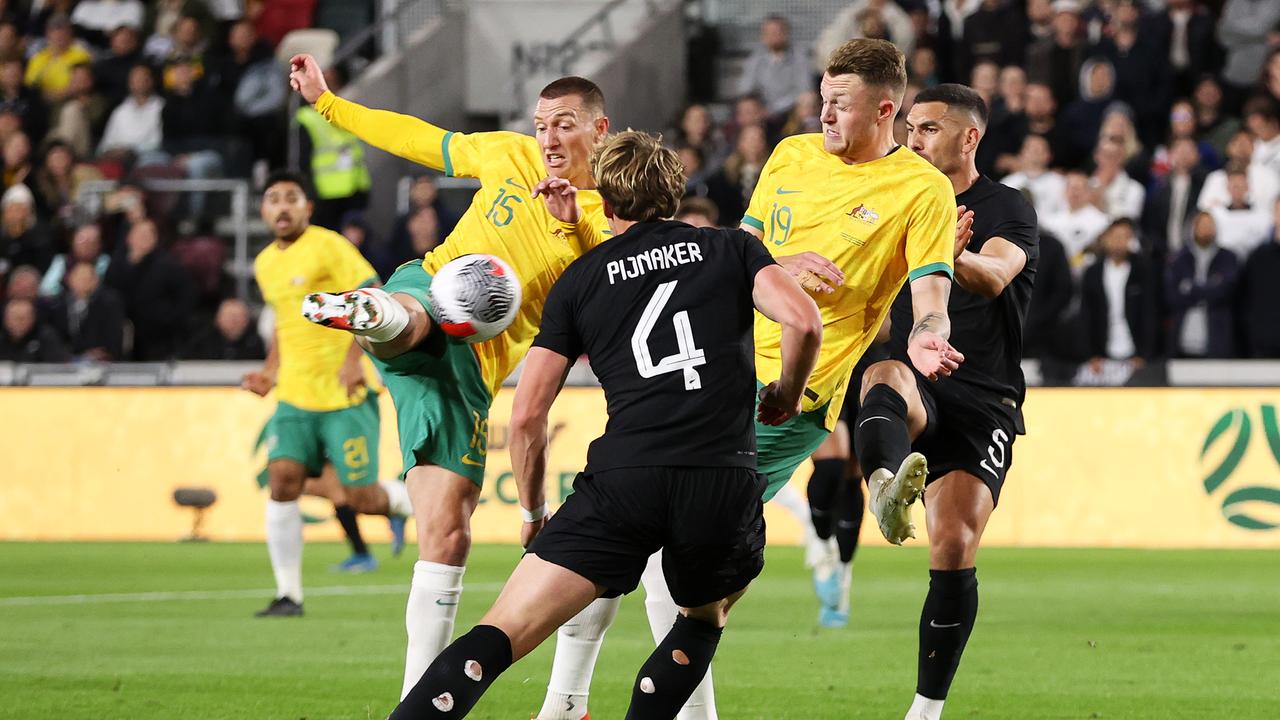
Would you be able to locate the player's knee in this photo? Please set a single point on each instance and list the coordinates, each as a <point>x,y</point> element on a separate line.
<point>888,372</point>
<point>448,545</point>
<point>953,548</point>
<point>285,484</point>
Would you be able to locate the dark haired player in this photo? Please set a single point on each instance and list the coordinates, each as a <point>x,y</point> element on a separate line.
<point>965,423</point>
<point>665,311</point>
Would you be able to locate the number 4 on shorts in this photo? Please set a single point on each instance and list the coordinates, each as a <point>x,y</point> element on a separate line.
<point>685,359</point>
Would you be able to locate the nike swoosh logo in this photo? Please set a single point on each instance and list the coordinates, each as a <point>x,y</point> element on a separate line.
<point>466,460</point>
<point>441,602</point>
<point>780,191</point>
<point>932,623</point>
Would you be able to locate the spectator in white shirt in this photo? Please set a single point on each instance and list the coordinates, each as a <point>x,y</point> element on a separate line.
<point>776,71</point>
<point>1115,193</point>
<point>103,16</point>
<point>1046,188</point>
<point>135,125</point>
<point>1241,226</point>
<point>1264,186</point>
<point>1079,224</point>
<point>1263,120</point>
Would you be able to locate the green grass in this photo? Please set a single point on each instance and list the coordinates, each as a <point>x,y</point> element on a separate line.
<point>1061,634</point>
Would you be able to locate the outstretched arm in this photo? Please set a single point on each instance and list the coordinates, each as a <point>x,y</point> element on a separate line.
<point>540,381</point>
<point>927,344</point>
<point>778,297</point>
<point>403,135</point>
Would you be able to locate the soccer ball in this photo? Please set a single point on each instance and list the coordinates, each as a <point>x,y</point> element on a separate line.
<point>475,297</point>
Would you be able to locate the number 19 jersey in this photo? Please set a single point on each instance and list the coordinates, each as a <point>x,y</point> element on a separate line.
<point>664,313</point>
<point>881,222</point>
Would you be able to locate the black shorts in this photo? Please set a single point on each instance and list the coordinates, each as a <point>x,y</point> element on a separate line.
<point>708,522</point>
<point>970,429</point>
<point>852,399</point>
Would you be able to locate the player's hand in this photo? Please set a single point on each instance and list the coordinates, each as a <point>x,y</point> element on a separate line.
<point>306,77</point>
<point>776,407</point>
<point>932,356</point>
<point>964,229</point>
<point>257,382</point>
<point>814,272</point>
<point>561,198</point>
<point>351,377</point>
<point>530,531</point>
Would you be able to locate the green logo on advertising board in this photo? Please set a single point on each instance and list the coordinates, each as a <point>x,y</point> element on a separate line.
<point>1238,503</point>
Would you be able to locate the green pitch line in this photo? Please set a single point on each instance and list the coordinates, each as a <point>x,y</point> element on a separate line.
<point>1061,634</point>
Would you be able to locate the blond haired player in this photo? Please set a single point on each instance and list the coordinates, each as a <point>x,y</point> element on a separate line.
<point>442,387</point>
<point>852,215</point>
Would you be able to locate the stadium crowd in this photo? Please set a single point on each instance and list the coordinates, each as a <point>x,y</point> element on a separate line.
<point>1146,134</point>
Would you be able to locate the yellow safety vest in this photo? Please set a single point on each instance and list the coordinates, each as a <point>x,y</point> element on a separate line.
<point>337,157</point>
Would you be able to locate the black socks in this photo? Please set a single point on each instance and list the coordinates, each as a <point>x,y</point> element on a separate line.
<point>881,438</point>
<point>850,504</point>
<point>950,609</point>
<point>824,484</point>
<point>459,676</point>
<point>347,518</point>
<point>669,676</point>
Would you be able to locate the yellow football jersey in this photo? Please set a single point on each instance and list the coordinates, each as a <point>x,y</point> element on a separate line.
<point>319,260</point>
<point>881,222</point>
<point>504,219</point>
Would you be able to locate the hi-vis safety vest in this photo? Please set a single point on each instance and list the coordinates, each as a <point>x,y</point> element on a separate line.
<point>337,157</point>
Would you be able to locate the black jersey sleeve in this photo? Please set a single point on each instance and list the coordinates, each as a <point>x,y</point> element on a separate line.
<point>559,332</point>
<point>1018,224</point>
<point>755,256</point>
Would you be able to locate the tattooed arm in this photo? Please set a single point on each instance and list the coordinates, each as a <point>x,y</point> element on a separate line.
<point>927,344</point>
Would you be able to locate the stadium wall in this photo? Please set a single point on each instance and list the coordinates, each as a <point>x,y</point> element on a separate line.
<point>1148,468</point>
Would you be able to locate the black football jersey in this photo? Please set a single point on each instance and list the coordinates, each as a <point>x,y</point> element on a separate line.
<point>664,314</point>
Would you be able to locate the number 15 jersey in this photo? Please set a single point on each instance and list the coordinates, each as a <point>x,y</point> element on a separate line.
<point>664,313</point>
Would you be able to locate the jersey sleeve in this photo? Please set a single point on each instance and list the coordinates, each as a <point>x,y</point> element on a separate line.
<point>931,232</point>
<point>1019,225</point>
<point>755,257</point>
<point>350,269</point>
<point>454,154</point>
<point>558,331</point>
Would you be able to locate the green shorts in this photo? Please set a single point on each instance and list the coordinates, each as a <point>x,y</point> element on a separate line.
<point>781,448</point>
<point>442,402</point>
<point>348,438</point>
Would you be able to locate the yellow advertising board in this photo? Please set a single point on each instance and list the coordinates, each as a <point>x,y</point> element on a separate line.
<point>1104,468</point>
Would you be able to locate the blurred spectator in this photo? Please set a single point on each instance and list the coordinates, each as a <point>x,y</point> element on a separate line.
<point>1042,120</point>
<point>922,66</point>
<point>423,193</point>
<point>694,168</point>
<point>776,71</point>
<point>1212,124</point>
<point>423,231</point>
<point>748,111</point>
<point>24,282</point>
<point>1079,224</point>
<point>885,19</point>
<point>1045,328</point>
<point>334,160</point>
<point>156,292</point>
<point>1182,126</point>
<point>1200,287</point>
<point>89,317</point>
<point>50,69</point>
<point>1114,192</point>
<point>24,339</point>
<point>698,212</point>
<point>24,240</point>
<point>12,42</point>
<point>1143,78</point>
<point>1083,117</point>
<point>1118,303</point>
<point>1269,83</point>
<point>805,117</point>
<point>699,131</point>
<point>1245,29</point>
<point>1260,296</point>
<point>1264,185</point>
<point>1184,31</point>
<point>249,73</point>
<point>1002,142</point>
<point>997,33</point>
<point>86,247</point>
<point>952,54</point>
<point>80,117</point>
<point>1117,126</point>
<point>17,159</point>
<point>231,337</point>
<point>985,80</point>
<point>135,126</point>
<point>1044,187</point>
<point>111,72</point>
<point>187,48</point>
<point>191,123</point>
<point>1241,226</point>
<point>731,188</point>
<point>1263,120</point>
<point>1039,20</point>
<point>1056,61</point>
<point>58,179</point>
<point>95,19</point>
<point>1171,205</point>
<point>22,101</point>
<point>355,228</point>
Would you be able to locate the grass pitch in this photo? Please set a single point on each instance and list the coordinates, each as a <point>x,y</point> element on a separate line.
<point>145,631</point>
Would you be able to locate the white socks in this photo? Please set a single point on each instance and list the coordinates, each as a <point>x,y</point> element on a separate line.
<point>429,616</point>
<point>923,708</point>
<point>577,647</point>
<point>846,585</point>
<point>397,498</point>
<point>284,545</point>
<point>662,613</point>
<point>392,317</point>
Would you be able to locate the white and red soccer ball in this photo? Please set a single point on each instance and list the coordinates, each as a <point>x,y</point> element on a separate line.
<point>475,297</point>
